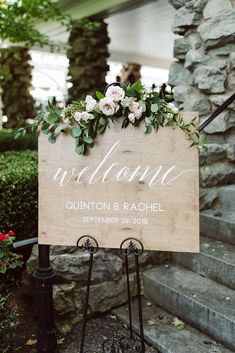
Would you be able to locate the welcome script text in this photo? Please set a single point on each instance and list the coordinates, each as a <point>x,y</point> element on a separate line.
<point>108,171</point>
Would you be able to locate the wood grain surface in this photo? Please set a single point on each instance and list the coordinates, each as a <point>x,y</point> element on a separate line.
<point>112,203</point>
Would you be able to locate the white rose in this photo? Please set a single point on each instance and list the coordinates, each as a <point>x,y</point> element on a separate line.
<point>131,117</point>
<point>78,116</point>
<point>90,103</point>
<point>107,106</point>
<point>168,89</point>
<point>134,106</point>
<point>126,102</point>
<point>86,116</point>
<point>173,108</point>
<point>116,93</point>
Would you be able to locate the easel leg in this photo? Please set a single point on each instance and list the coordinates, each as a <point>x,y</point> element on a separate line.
<point>141,326</point>
<point>135,247</point>
<point>87,243</point>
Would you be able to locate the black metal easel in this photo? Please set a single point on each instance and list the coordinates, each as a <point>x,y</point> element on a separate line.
<point>128,246</point>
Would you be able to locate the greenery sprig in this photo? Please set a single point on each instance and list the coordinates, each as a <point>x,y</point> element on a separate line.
<point>135,105</point>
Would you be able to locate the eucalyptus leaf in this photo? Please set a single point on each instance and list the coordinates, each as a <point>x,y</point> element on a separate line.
<point>147,129</point>
<point>45,126</point>
<point>79,149</point>
<point>76,131</point>
<point>60,128</point>
<point>46,132</point>
<point>101,129</point>
<point>52,118</point>
<point>102,121</point>
<point>88,139</point>
<point>154,108</point>
<point>52,138</point>
<point>143,106</point>
<point>155,99</point>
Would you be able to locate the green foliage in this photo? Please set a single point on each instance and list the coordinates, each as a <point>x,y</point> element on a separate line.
<point>17,20</point>
<point>8,259</point>
<point>8,142</point>
<point>18,191</point>
<point>135,105</point>
<point>9,319</point>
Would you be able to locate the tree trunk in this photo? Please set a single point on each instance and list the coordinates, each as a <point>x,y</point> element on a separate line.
<point>15,81</point>
<point>87,56</point>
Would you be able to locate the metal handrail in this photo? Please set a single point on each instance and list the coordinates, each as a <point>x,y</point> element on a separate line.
<point>24,243</point>
<point>219,110</point>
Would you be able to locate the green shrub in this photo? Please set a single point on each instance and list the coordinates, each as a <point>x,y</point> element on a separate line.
<point>9,319</point>
<point>9,143</point>
<point>19,192</point>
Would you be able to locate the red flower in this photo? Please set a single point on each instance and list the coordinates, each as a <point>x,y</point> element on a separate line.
<point>3,237</point>
<point>11,233</point>
<point>8,264</point>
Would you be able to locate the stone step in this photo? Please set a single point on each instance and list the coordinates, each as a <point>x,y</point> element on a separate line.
<point>164,332</point>
<point>207,305</point>
<point>215,261</point>
<point>227,197</point>
<point>218,224</point>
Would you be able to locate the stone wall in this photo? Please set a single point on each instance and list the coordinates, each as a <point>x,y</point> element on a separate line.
<point>108,288</point>
<point>203,76</point>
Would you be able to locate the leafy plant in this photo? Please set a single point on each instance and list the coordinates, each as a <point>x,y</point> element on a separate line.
<point>132,105</point>
<point>8,320</point>
<point>9,143</point>
<point>18,192</point>
<point>17,20</point>
<point>8,259</point>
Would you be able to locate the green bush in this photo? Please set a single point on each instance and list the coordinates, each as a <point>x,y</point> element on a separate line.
<point>9,143</point>
<point>19,192</point>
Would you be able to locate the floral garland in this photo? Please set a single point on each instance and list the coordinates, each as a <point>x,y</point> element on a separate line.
<point>133,105</point>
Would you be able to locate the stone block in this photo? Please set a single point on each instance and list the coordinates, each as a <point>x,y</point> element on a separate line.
<point>220,173</point>
<point>232,61</point>
<point>196,5</point>
<point>222,50</point>
<point>181,47</point>
<point>208,198</point>
<point>218,30</point>
<point>198,57</point>
<point>105,296</point>
<point>195,57</point>
<point>224,122</point>
<point>215,152</point>
<point>219,99</point>
<point>215,8</point>
<point>73,267</point>
<point>185,19</point>
<point>194,40</point>
<point>181,93</point>
<point>179,75</point>
<point>231,151</point>
<point>197,102</point>
<point>177,3</point>
<point>209,79</point>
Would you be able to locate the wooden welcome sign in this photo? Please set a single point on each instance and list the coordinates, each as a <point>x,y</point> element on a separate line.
<point>129,185</point>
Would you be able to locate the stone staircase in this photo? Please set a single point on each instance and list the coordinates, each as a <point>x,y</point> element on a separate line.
<point>198,289</point>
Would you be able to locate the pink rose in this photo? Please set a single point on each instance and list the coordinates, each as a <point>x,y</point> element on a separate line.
<point>116,93</point>
<point>107,106</point>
